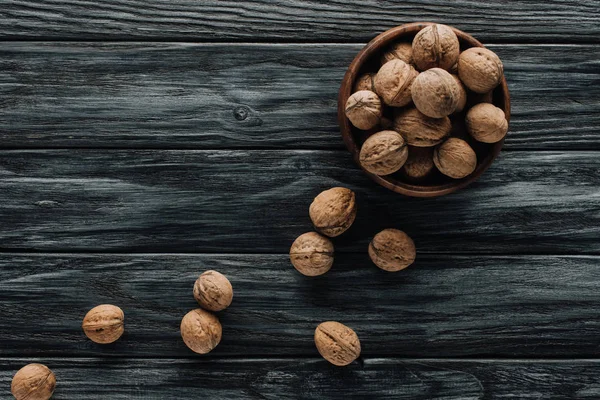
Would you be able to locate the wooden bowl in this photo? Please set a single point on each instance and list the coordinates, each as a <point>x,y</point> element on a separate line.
<point>368,60</point>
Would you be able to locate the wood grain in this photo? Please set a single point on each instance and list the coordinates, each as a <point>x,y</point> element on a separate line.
<point>352,20</point>
<point>257,201</point>
<point>442,306</point>
<point>165,95</point>
<point>292,378</point>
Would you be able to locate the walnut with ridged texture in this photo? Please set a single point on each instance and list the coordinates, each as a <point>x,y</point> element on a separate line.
<point>312,254</point>
<point>486,123</point>
<point>435,46</point>
<point>383,153</point>
<point>213,291</point>
<point>420,130</point>
<point>392,250</point>
<point>462,94</point>
<point>201,331</point>
<point>419,165</point>
<point>393,83</point>
<point>33,382</point>
<point>480,69</point>
<point>455,158</point>
<point>333,211</point>
<point>398,51</point>
<point>435,93</point>
<point>365,82</point>
<point>337,343</point>
<point>104,324</point>
<point>364,109</point>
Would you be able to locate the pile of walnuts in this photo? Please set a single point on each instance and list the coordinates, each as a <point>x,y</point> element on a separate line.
<point>408,107</point>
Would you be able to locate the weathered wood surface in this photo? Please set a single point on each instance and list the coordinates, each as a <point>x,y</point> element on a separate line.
<point>443,306</point>
<point>166,95</point>
<point>257,201</point>
<point>291,378</point>
<point>297,20</point>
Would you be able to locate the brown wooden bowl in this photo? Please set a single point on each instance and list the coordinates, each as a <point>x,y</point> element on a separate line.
<point>368,60</point>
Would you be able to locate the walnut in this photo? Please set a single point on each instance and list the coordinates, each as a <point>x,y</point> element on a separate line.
<point>33,382</point>
<point>312,254</point>
<point>480,69</point>
<point>435,93</point>
<point>486,123</point>
<point>393,83</point>
<point>383,153</point>
<point>213,291</point>
<point>455,158</point>
<point>365,82</point>
<point>398,51</point>
<point>462,95</point>
<point>392,250</point>
<point>201,331</point>
<point>420,130</point>
<point>337,343</point>
<point>435,46</point>
<point>363,109</point>
<point>333,211</point>
<point>104,324</point>
<point>419,164</point>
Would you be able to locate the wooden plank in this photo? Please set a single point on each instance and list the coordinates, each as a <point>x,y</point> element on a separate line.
<point>443,306</point>
<point>387,378</point>
<point>352,20</point>
<point>257,201</point>
<point>165,95</point>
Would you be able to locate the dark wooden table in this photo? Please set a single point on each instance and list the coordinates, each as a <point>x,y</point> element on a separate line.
<point>146,141</point>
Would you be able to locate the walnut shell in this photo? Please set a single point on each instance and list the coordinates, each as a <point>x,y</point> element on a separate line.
<point>486,123</point>
<point>462,95</point>
<point>33,382</point>
<point>455,158</point>
<point>363,109</point>
<point>480,69</point>
<point>201,331</point>
<point>398,51</point>
<point>383,153</point>
<point>392,250</point>
<point>420,130</point>
<point>393,83</point>
<point>419,164</point>
<point>312,254</point>
<point>213,291</point>
<point>104,324</point>
<point>333,211</point>
<point>337,343</point>
<point>364,82</point>
<point>435,93</point>
<point>435,46</point>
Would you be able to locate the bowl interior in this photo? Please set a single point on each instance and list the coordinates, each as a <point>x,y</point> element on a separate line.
<point>368,60</point>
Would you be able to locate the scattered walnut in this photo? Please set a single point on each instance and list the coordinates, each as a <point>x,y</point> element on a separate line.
<point>312,254</point>
<point>462,95</point>
<point>455,158</point>
<point>333,211</point>
<point>365,82</point>
<point>33,382</point>
<point>201,331</point>
<point>419,164</point>
<point>435,93</point>
<point>363,109</point>
<point>420,130</point>
<point>393,83</point>
<point>486,123</point>
<point>213,291</point>
<point>398,51</point>
<point>392,250</point>
<point>337,343</point>
<point>435,46</point>
<point>480,69</point>
<point>104,324</point>
<point>383,153</point>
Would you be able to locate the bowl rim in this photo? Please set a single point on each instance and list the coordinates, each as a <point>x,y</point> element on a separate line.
<point>408,189</point>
